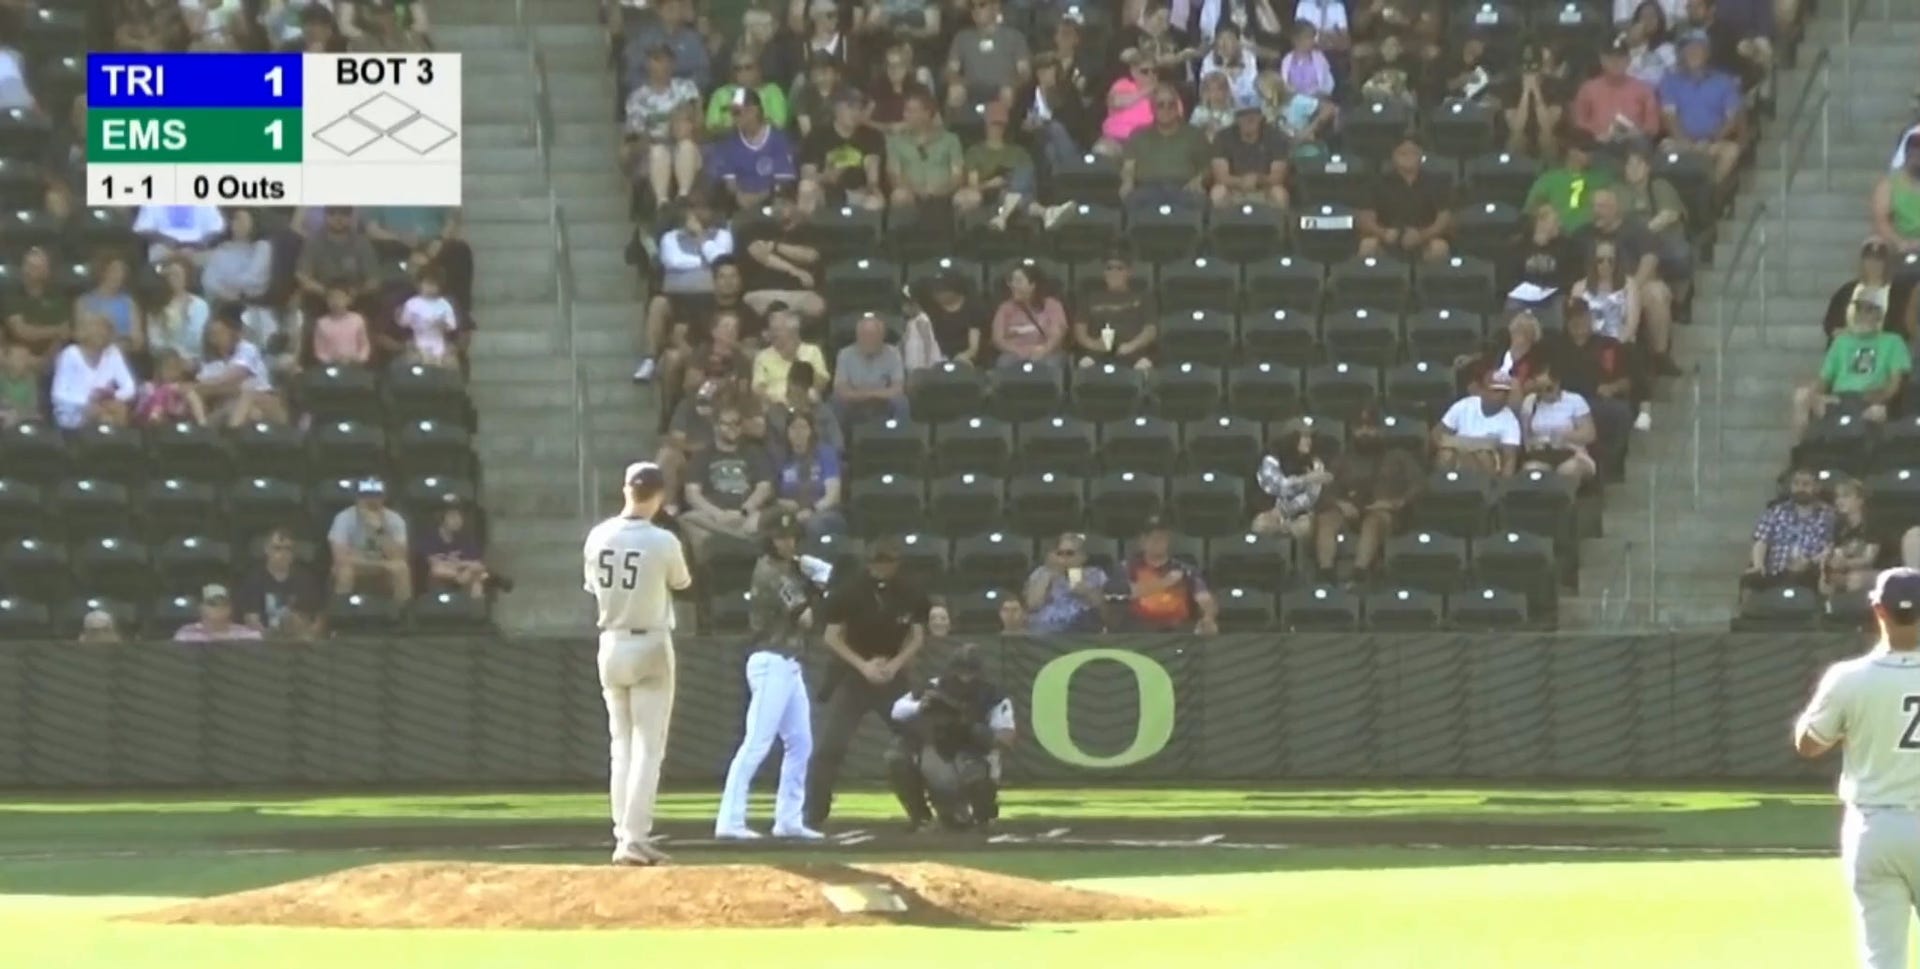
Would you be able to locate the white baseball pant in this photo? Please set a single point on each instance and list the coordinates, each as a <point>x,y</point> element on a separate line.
<point>1880,851</point>
<point>636,678</point>
<point>778,708</point>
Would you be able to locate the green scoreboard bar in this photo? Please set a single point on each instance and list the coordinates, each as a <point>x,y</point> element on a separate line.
<point>194,136</point>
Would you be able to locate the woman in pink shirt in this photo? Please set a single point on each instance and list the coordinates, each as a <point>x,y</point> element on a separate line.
<point>1129,103</point>
<point>1030,326</point>
<point>340,336</point>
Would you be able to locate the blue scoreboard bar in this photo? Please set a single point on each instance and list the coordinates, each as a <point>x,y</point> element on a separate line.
<point>194,81</point>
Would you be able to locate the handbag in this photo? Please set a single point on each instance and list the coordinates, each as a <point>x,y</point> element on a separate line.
<point>918,346</point>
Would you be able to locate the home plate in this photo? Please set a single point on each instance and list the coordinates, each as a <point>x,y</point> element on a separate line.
<point>857,899</point>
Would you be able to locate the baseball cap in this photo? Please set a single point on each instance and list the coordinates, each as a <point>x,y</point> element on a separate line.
<point>1897,590</point>
<point>1500,381</point>
<point>1155,523</point>
<point>214,592</point>
<point>645,474</point>
<point>745,97</point>
<point>370,488</point>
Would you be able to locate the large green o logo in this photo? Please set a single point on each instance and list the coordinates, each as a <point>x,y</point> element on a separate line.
<point>1050,725</point>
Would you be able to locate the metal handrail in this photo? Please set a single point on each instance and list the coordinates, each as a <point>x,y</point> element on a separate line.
<point>545,132</point>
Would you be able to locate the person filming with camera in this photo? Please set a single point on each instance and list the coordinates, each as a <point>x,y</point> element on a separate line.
<point>945,759</point>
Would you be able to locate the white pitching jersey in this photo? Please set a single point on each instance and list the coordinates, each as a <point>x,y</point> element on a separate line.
<point>1871,705</point>
<point>633,567</point>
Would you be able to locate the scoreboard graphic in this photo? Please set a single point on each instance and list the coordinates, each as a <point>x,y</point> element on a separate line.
<point>273,129</point>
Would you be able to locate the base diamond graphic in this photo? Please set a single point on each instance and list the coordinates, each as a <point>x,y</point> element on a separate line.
<point>422,134</point>
<point>384,111</point>
<point>347,135</point>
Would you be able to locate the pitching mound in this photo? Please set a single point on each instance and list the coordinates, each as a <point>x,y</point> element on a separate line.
<point>420,895</point>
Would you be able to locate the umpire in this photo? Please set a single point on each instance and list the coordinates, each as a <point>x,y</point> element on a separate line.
<point>875,623</point>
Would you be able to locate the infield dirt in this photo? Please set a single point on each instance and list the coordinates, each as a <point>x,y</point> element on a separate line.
<point>490,896</point>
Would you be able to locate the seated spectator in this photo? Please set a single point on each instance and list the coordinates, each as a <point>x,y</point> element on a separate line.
<point>728,485</point>
<point>898,82</point>
<point>315,32</point>
<point>1305,68</point>
<point>1611,294</point>
<point>279,595</point>
<point>671,27</point>
<point>233,379</point>
<point>690,257</point>
<point>1544,268</point>
<point>369,543</point>
<point>1650,53</point>
<point>784,349</point>
<point>1214,109</point>
<point>1479,432</point>
<point>803,398</point>
<point>1000,178</point>
<point>1556,428</point>
<point>110,300</point>
<point>784,265</point>
<point>746,78</point>
<point>1849,565</point>
<point>14,93</point>
<point>216,623</point>
<point>391,30</point>
<point>1703,110</point>
<point>1874,284</point>
<point>1865,369</point>
<point>960,320</point>
<point>1113,324</point>
<point>870,377</point>
<point>340,336</point>
<point>432,320</point>
<point>1394,72</point>
<point>781,53</point>
<point>97,626</point>
<point>988,59</point>
<point>1168,45</point>
<point>807,483</point>
<point>181,322</point>
<point>1536,101</point>
<point>939,618</point>
<point>340,254</point>
<point>1064,594</point>
<point>91,381</point>
<point>1408,214</point>
<point>450,556</point>
<point>840,161</point>
<point>1236,62</point>
<point>1613,106</point>
<point>1250,162</point>
<point>1570,187</point>
<point>1333,30</point>
<point>755,159</point>
<point>1600,369</point>
<point>1292,474</point>
<point>1793,538</point>
<point>1053,111</point>
<point>1740,33</point>
<point>1130,102</point>
<point>37,314</point>
<point>1167,594</point>
<point>1648,320</point>
<point>823,35</point>
<point>1517,358</point>
<point>1655,203</point>
<point>676,322</point>
<point>925,162</point>
<point>1468,77</point>
<point>814,97</point>
<point>688,431</point>
<point>169,397</point>
<point>1371,486</point>
<point>239,268</point>
<point>1303,119</point>
<point>178,230</point>
<point>19,386</point>
<point>1030,326</point>
<point>650,148</point>
<point>1896,201</point>
<point>1013,614</point>
<point>1164,163</point>
<point>723,356</point>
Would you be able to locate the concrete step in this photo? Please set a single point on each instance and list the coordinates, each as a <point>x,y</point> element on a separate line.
<point>506,159</point>
<point>484,138</point>
<point>508,344</point>
<point>473,13</point>
<point>494,368</point>
<point>599,236</point>
<point>505,185</point>
<point>513,213</point>
<point>573,33</point>
<point>557,395</point>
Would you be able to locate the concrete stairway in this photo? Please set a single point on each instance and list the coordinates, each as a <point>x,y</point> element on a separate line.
<point>1674,548</point>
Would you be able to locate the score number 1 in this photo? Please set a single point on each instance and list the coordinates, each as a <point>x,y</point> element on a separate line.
<point>276,131</point>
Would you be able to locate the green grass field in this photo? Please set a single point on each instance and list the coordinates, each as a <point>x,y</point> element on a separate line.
<point>1457,879</point>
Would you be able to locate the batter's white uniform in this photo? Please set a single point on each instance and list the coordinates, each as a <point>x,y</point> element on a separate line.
<point>1871,706</point>
<point>633,567</point>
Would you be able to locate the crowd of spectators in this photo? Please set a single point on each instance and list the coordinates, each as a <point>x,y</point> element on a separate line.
<point>1453,244</point>
<point>200,408</point>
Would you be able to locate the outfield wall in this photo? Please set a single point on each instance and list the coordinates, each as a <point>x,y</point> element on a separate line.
<point>1092,709</point>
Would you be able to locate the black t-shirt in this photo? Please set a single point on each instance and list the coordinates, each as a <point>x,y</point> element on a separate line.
<point>842,158</point>
<point>1125,311</point>
<point>1632,242</point>
<point>950,327</point>
<point>261,594</point>
<point>727,478</point>
<point>1554,264</point>
<point>760,276</point>
<point>876,616</point>
<point>1400,204</point>
<point>701,310</point>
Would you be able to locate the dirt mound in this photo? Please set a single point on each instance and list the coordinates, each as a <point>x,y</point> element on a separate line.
<point>419,895</point>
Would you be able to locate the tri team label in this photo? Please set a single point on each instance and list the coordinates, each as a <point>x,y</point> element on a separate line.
<point>282,129</point>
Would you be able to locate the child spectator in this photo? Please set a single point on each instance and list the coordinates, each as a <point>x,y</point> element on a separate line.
<point>340,336</point>
<point>431,318</point>
<point>19,386</point>
<point>169,396</point>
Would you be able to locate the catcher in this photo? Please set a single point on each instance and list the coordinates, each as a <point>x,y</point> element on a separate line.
<point>945,758</point>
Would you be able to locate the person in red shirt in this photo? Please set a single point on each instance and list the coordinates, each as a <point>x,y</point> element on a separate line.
<point>1164,593</point>
<point>1614,106</point>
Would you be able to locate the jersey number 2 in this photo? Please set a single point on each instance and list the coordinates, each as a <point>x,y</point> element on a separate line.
<point>1910,737</point>
<point>627,570</point>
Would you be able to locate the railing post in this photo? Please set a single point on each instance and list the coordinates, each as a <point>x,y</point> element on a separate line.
<point>1826,124</point>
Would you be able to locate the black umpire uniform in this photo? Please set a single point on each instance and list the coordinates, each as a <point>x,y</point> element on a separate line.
<point>876,617</point>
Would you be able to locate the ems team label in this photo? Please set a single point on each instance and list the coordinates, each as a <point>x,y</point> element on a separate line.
<point>276,129</point>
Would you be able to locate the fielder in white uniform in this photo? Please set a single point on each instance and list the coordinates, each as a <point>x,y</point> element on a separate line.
<point>633,567</point>
<point>1869,706</point>
<point>782,613</point>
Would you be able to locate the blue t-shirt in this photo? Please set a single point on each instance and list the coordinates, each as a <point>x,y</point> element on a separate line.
<point>797,484</point>
<point>755,169</point>
<point>1703,103</point>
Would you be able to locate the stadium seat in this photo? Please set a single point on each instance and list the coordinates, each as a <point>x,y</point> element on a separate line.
<point>980,445</point>
<point>977,613</point>
<point>1208,504</point>
<point>91,508</point>
<point>1898,445</point>
<point>1332,180</point>
<point>1692,177</point>
<point>58,28</point>
<point>116,566</point>
<point>1326,233</point>
<point>1462,129</point>
<point>1361,336</point>
<point>1263,392</point>
<point>1428,561</point>
<point>1286,282</point>
<point>1838,442</point>
<point>68,616</point>
<point>966,504</point>
<point>24,134</point>
<point>886,504</point>
<point>24,620</point>
<point>430,447</point>
<point>843,233</point>
<point>347,448</point>
<point>1371,130</point>
<point>1444,334</point>
<point>1403,610</point>
<point>1483,608</point>
<point>1054,273</point>
<point>421,498</point>
<point>1371,282</point>
<point>1250,560</point>
<point>1090,179</point>
<point>1408,432</point>
<point>327,497</point>
<point>415,392</point>
<point>1239,610</point>
<point>1457,503</point>
<point>1196,336</point>
<point>1486,229</point>
<point>1149,445</point>
<point>1536,501</point>
<point>20,183</point>
<point>187,563</point>
<point>842,552</point>
<point>861,282</point>
<point>1085,232</point>
<point>1027,392</point>
<point>1226,444</point>
<point>1288,338</point>
<point>363,614</point>
<point>1521,563</point>
<point>729,610</point>
<point>1107,392</point>
<point>945,392</point>
<point>1320,608</point>
<point>339,393</point>
<point>260,503</point>
<point>914,234</point>
<point>442,611</point>
<point>23,508</point>
<point>188,451</point>
<point>727,562</point>
<point>108,453</point>
<point>269,449</point>
<point>177,506</point>
<point>1329,434</point>
<point>1201,283</point>
<point>36,569</point>
<point>33,452</point>
<point>1849,611</point>
<point>1422,389</point>
<point>1500,177</point>
<point>1065,445</point>
<point>1119,503</point>
<point>1895,503</point>
<point>1247,233</point>
<point>1089,277</point>
<point>1164,233</point>
<point>1341,390</point>
<point>891,446</point>
<point>25,229</point>
<point>1184,391</point>
<point>1462,280</point>
<point>920,276</point>
<point>1046,503</point>
<point>996,560</point>
<point>1778,610</point>
<point>925,559</point>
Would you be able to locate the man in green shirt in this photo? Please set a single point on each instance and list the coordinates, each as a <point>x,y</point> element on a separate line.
<point>1166,162</point>
<point>1570,187</point>
<point>924,159</point>
<point>999,176</point>
<point>746,74</point>
<point>1864,369</point>
<point>35,313</point>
